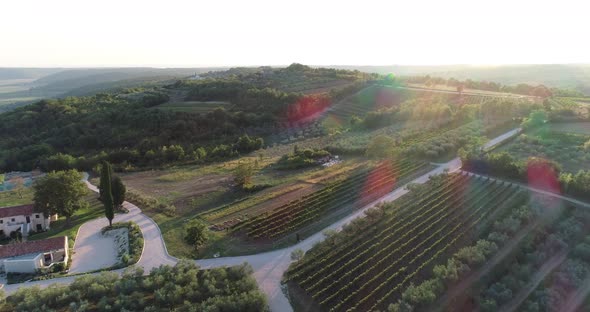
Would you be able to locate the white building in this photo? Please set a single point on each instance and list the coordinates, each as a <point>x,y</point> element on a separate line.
<point>28,257</point>
<point>24,219</point>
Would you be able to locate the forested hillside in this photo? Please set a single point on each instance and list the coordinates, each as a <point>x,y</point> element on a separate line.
<point>127,128</point>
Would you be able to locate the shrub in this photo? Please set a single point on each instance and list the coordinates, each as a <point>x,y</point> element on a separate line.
<point>297,254</point>
<point>196,233</point>
<point>135,242</point>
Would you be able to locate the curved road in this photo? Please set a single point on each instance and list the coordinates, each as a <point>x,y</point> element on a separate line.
<point>269,266</point>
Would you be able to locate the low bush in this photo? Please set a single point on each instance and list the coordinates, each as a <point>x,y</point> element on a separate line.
<point>150,203</point>
<point>302,158</point>
<point>135,242</point>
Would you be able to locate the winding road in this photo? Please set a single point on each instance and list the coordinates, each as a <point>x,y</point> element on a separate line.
<point>269,266</point>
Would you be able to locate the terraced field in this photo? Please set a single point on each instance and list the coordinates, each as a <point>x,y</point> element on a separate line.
<point>419,230</point>
<point>358,189</point>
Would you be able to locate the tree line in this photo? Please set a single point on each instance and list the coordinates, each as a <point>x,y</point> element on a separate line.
<point>184,287</point>
<point>521,88</point>
<point>543,173</point>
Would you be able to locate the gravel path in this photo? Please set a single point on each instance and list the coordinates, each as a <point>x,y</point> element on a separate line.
<point>92,250</point>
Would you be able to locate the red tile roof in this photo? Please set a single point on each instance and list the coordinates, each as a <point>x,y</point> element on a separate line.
<point>38,246</point>
<point>23,210</point>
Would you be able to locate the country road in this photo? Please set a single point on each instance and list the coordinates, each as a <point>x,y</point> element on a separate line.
<point>269,266</point>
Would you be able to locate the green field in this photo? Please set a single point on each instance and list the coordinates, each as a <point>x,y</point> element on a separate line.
<point>573,127</point>
<point>15,91</point>
<point>11,198</point>
<point>194,106</point>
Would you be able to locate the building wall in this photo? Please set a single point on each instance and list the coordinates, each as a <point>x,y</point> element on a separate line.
<point>8,225</point>
<point>58,255</point>
<point>24,265</point>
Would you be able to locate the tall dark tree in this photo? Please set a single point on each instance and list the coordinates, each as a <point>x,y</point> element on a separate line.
<point>101,185</point>
<point>118,190</point>
<point>106,193</point>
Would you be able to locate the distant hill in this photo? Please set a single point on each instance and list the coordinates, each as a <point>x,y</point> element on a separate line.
<point>26,73</point>
<point>567,76</point>
<point>60,82</point>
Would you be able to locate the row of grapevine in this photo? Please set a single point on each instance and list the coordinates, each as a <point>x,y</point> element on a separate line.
<point>360,188</point>
<point>396,218</point>
<point>370,271</point>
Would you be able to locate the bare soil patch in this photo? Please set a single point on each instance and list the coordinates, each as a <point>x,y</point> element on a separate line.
<point>182,193</point>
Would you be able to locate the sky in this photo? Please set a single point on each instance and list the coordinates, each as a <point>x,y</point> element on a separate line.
<point>174,33</point>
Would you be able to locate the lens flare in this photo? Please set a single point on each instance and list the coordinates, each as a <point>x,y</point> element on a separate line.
<point>308,108</point>
<point>543,175</point>
<point>380,181</point>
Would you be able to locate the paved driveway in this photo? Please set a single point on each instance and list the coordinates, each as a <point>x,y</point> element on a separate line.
<point>92,250</point>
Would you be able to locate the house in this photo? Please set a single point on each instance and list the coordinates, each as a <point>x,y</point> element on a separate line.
<point>24,219</point>
<point>31,256</point>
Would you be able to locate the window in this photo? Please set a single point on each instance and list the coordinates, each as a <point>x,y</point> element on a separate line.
<point>1,221</point>
<point>37,216</point>
<point>12,220</point>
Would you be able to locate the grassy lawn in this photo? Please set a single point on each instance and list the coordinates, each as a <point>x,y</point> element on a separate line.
<point>60,228</point>
<point>11,198</point>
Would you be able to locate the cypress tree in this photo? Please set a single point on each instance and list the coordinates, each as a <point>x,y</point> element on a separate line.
<point>106,192</point>
<point>101,184</point>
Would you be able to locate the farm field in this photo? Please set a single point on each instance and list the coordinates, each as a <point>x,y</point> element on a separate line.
<point>355,142</point>
<point>208,192</point>
<point>306,87</point>
<point>581,100</point>
<point>571,127</point>
<point>15,91</point>
<point>358,189</point>
<point>563,146</point>
<point>14,85</point>
<point>370,264</point>
<point>454,89</point>
<point>372,98</point>
<point>12,198</point>
<point>201,107</point>
<point>295,200</point>
<point>554,269</point>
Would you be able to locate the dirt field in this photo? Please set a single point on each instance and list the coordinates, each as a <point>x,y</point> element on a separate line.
<point>181,194</point>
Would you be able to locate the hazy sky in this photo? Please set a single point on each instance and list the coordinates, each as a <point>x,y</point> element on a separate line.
<point>319,32</point>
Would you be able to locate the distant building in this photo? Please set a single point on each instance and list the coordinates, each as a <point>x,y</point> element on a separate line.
<point>195,77</point>
<point>29,257</point>
<point>24,219</point>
